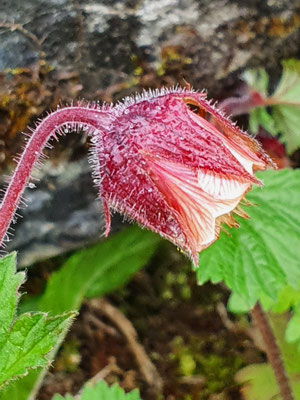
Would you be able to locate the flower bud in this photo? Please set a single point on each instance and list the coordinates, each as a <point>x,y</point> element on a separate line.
<point>176,165</point>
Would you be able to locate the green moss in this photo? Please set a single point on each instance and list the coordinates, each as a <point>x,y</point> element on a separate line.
<point>193,358</point>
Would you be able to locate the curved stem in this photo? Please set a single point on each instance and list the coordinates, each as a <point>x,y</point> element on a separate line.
<point>273,353</point>
<point>92,118</point>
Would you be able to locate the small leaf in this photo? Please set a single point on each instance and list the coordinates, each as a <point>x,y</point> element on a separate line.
<point>259,383</point>
<point>263,255</point>
<point>98,269</point>
<point>257,79</point>
<point>292,334</point>
<point>288,89</point>
<point>260,117</point>
<point>289,351</point>
<point>26,341</point>
<point>284,104</point>
<point>9,297</point>
<point>288,297</point>
<point>101,391</point>
<point>237,304</point>
<point>258,380</point>
<point>287,119</point>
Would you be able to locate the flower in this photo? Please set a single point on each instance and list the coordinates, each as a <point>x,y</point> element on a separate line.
<point>175,164</point>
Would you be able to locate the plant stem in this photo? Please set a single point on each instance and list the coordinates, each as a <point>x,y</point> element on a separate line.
<point>272,101</point>
<point>74,117</point>
<point>273,353</point>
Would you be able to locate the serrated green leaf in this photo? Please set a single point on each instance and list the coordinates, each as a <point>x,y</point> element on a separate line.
<point>101,391</point>
<point>94,272</point>
<point>288,297</point>
<point>30,339</point>
<point>98,269</point>
<point>26,341</point>
<point>263,255</point>
<point>9,297</point>
<point>20,389</point>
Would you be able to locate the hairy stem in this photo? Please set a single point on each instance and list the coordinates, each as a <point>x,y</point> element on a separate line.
<point>243,104</point>
<point>91,118</point>
<point>273,353</point>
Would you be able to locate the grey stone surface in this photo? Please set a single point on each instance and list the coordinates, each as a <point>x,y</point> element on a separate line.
<point>100,38</point>
<point>62,213</point>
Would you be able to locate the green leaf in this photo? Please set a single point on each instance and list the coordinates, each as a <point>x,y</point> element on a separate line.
<point>259,383</point>
<point>260,117</point>
<point>102,392</point>
<point>263,255</point>
<point>237,304</point>
<point>289,351</point>
<point>284,104</point>
<point>90,272</point>
<point>257,79</point>
<point>26,341</point>
<point>98,269</point>
<point>29,340</point>
<point>288,88</point>
<point>9,297</point>
<point>292,332</point>
<point>287,298</point>
<point>22,388</point>
<point>287,119</point>
<point>258,380</point>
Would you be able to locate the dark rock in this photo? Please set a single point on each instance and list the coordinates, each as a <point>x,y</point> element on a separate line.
<point>62,213</point>
<point>218,38</point>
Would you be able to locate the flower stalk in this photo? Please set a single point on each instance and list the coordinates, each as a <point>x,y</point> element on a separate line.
<point>272,350</point>
<point>50,127</point>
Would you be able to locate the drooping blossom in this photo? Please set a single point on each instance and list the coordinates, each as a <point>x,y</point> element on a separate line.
<point>176,165</point>
<point>168,160</point>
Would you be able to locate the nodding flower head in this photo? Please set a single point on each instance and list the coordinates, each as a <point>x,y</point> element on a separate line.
<point>175,164</point>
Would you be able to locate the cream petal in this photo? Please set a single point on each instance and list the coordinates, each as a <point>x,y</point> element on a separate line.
<point>195,198</point>
<point>221,187</point>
